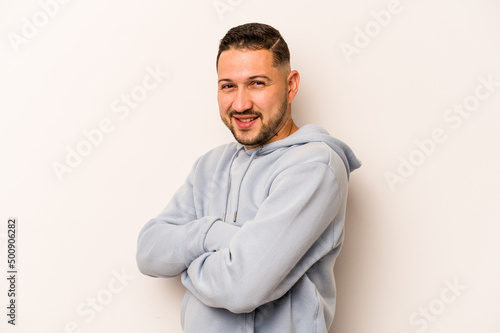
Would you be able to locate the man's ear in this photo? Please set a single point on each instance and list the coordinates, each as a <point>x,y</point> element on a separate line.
<point>293,81</point>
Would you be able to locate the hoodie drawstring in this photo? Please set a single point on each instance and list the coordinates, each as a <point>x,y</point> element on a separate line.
<point>241,182</point>
<point>229,181</point>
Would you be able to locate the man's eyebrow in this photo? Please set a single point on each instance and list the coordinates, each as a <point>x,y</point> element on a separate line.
<point>259,77</point>
<point>250,78</point>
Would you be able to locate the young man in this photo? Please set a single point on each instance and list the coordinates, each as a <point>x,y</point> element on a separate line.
<point>257,226</point>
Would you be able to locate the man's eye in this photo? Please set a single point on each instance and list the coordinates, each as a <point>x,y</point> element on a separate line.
<point>258,83</point>
<point>226,86</point>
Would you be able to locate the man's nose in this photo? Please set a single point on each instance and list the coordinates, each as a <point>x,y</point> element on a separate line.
<point>242,101</point>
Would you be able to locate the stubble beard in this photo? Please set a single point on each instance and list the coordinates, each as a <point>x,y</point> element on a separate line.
<point>266,132</point>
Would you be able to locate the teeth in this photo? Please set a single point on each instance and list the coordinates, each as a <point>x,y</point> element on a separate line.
<point>246,120</point>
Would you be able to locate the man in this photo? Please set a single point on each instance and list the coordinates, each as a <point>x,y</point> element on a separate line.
<point>257,226</point>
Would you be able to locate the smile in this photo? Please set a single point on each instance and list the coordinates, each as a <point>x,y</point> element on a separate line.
<point>245,122</point>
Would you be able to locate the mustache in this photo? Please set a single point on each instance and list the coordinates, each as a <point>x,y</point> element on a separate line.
<point>245,113</point>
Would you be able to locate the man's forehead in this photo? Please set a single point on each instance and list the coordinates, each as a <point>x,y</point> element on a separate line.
<point>245,63</point>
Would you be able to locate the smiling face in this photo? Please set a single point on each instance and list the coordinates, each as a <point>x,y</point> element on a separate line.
<point>254,97</point>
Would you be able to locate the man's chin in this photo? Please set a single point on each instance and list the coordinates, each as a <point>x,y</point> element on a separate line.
<point>247,142</point>
<point>247,139</point>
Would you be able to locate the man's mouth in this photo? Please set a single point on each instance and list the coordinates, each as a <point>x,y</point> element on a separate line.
<point>245,122</point>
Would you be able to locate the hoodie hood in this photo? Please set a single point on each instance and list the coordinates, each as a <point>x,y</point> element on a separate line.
<point>312,133</point>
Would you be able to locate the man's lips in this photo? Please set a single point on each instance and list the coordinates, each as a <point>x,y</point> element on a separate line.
<point>245,122</point>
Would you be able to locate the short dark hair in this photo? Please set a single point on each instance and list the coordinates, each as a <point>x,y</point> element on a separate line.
<point>256,36</point>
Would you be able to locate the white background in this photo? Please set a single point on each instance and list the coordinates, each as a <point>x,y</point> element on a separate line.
<point>405,244</point>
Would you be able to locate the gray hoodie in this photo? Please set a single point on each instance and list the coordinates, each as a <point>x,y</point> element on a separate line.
<point>255,234</point>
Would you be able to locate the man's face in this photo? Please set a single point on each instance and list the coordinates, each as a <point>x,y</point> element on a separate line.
<point>253,96</point>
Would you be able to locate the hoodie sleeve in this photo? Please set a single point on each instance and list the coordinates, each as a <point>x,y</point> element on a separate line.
<point>169,243</point>
<point>296,226</point>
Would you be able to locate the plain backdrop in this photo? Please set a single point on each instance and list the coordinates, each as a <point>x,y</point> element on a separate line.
<point>412,86</point>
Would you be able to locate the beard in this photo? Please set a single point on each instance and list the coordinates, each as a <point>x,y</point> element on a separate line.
<point>267,131</point>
